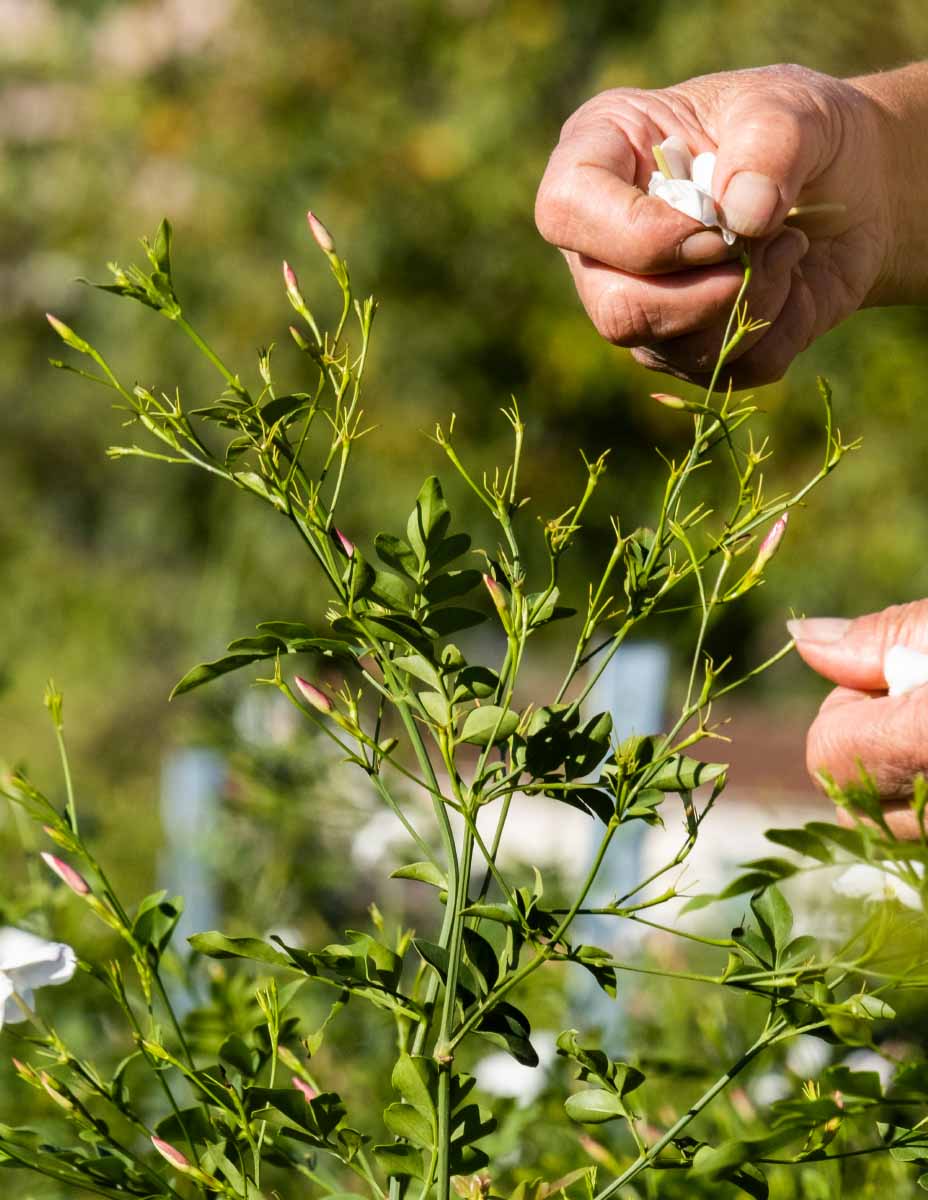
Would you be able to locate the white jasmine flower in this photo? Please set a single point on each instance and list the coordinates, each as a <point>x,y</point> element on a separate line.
<point>869,1060</point>
<point>808,1056</point>
<point>904,669</point>
<point>685,183</point>
<point>866,882</point>
<point>500,1075</point>
<point>28,962</point>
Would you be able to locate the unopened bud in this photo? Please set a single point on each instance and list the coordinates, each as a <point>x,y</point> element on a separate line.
<point>498,596</point>
<point>302,1086</point>
<point>66,873</point>
<point>67,334</point>
<point>171,1153</point>
<point>346,544</point>
<point>49,1084</point>
<point>22,1070</point>
<point>321,235</point>
<point>771,542</point>
<point>667,400</point>
<point>312,695</point>
<point>292,284</point>
<point>298,337</point>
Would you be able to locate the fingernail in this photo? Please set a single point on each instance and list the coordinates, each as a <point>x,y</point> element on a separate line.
<point>904,669</point>
<point>749,203</point>
<point>818,629</point>
<point>705,248</point>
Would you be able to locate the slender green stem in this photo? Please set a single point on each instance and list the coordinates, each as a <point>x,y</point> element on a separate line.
<point>645,1160</point>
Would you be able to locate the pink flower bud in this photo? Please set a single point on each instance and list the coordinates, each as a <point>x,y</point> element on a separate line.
<point>345,543</point>
<point>298,337</point>
<point>302,1086</point>
<point>498,596</point>
<point>171,1153</point>
<point>312,695</point>
<point>771,542</point>
<point>291,283</point>
<point>66,873</point>
<point>21,1069</point>
<point>321,235</point>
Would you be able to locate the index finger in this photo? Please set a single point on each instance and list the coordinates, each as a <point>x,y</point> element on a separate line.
<point>588,202</point>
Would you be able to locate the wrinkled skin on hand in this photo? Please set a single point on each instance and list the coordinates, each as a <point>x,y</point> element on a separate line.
<point>658,282</point>
<point>859,724</point>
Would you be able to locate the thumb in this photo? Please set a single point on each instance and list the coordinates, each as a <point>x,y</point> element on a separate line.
<point>768,148</point>
<point>851,653</point>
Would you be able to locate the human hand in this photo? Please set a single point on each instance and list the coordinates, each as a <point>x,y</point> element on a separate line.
<point>657,281</point>
<point>859,724</point>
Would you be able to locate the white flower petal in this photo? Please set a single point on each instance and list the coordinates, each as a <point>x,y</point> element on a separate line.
<point>702,171</point>
<point>33,962</point>
<point>904,669</point>
<point>866,882</point>
<point>6,992</point>
<point>677,156</point>
<point>685,197</point>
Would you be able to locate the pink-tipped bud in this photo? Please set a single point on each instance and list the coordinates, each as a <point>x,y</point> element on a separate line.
<point>302,1086</point>
<point>321,235</point>
<point>21,1069</point>
<point>498,596</point>
<point>667,400</point>
<point>771,542</point>
<point>171,1153</point>
<point>312,695</point>
<point>66,873</point>
<point>291,283</point>
<point>346,544</point>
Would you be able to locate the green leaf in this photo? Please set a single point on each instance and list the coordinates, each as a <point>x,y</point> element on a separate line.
<point>475,683</point>
<point>159,252</point>
<point>155,921</point>
<point>437,707</point>
<point>390,590</point>
<point>207,672</point>
<point>424,872</point>
<point>446,621</point>
<point>415,1078</point>
<point>482,959</point>
<point>397,553</point>
<point>682,774</point>
<point>489,725</point>
<point>406,1122</point>
<point>429,520</point>
<point>802,841</point>
<point>216,945</point>
<point>399,1159</point>
<point>420,668</point>
<point>282,407</point>
<point>451,586</point>
<point>774,916</point>
<point>504,1025</point>
<point>594,1106</point>
<point>236,1053</point>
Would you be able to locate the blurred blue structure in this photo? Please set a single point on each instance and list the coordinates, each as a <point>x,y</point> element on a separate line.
<point>191,787</point>
<point>633,689</point>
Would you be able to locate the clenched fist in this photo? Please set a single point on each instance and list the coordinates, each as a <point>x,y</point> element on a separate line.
<point>661,283</point>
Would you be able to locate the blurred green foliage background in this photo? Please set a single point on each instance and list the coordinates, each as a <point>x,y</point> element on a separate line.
<point>418,130</point>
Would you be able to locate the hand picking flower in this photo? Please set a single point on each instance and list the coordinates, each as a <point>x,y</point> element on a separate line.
<point>28,962</point>
<point>904,669</point>
<point>685,183</point>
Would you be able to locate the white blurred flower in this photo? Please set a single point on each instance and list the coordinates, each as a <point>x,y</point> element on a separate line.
<point>500,1074</point>
<point>808,1056</point>
<point>770,1087</point>
<point>687,186</point>
<point>864,881</point>
<point>904,669</point>
<point>869,1060</point>
<point>27,963</point>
